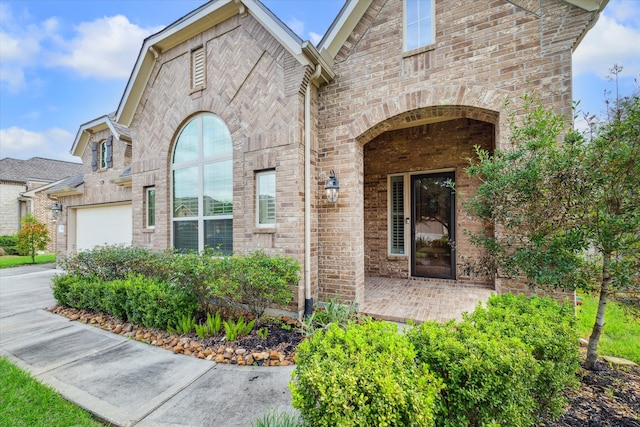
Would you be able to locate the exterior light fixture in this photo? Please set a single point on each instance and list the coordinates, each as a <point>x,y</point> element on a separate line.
<point>332,188</point>
<point>56,210</point>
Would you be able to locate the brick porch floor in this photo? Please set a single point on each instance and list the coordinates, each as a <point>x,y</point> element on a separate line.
<point>401,299</point>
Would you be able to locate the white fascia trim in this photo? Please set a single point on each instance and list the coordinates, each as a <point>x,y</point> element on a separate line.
<point>85,130</point>
<point>286,38</point>
<point>148,55</point>
<point>343,26</point>
<point>588,5</point>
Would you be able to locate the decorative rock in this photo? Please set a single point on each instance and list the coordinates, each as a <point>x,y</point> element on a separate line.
<point>128,328</point>
<point>619,361</point>
<point>74,317</point>
<point>250,360</point>
<point>583,342</point>
<point>285,363</point>
<point>257,356</point>
<point>241,351</point>
<point>117,329</point>
<point>228,354</point>
<point>160,342</point>
<point>274,355</point>
<point>147,335</point>
<point>209,357</point>
<point>178,349</point>
<point>187,352</point>
<point>220,359</point>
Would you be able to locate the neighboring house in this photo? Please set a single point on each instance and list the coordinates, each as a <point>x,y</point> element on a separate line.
<point>22,191</point>
<point>230,126</point>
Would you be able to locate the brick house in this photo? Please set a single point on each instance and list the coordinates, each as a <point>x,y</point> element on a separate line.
<point>231,125</point>
<point>23,185</point>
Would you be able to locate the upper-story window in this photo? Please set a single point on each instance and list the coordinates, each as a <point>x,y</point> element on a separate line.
<point>419,23</point>
<point>202,181</point>
<point>102,154</point>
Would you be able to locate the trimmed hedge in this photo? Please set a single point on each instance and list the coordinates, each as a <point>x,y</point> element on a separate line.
<point>253,281</point>
<point>362,375</point>
<point>548,331</point>
<point>137,299</point>
<point>487,379</point>
<point>9,243</point>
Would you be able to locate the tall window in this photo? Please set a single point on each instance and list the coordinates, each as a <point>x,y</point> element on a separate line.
<point>151,207</point>
<point>396,214</point>
<point>266,198</point>
<point>202,179</point>
<point>419,28</point>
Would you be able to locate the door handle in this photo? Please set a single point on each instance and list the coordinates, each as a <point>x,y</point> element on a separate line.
<point>407,220</point>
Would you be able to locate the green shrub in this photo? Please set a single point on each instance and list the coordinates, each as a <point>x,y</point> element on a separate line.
<point>548,330</point>
<point>258,280</point>
<point>117,262</point>
<point>203,274</point>
<point>487,379</point>
<point>362,375</point>
<point>9,243</point>
<point>238,329</point>
<point>137,299</point>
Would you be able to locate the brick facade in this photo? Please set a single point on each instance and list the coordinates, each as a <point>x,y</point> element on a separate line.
<point>485,52</point>
<point>385,111</point>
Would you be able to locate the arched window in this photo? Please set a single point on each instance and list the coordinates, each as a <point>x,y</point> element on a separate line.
<point>202,182</point>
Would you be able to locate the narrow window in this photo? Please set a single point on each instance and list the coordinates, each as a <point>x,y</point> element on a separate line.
<point>197,68</point>
<point>151,207</point>
<point>396,214</point>
<point>419,28</point>
<point>103,155</point>
<point>266,198</point>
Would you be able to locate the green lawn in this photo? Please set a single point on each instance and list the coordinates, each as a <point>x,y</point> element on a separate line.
<point>12,261</point>
<point>621,336</point>
<point>25,401</point>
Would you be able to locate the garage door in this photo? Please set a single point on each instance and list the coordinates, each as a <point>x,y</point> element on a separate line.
<point>106,225</point>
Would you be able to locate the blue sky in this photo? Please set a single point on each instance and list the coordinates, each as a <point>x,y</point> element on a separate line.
<point>64,63</point>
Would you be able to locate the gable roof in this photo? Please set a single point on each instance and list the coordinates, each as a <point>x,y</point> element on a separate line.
<point>207,16</point>
<point>86,131</point>
<point>36,169</point>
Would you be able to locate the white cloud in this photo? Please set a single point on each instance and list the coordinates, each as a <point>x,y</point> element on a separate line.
<point>315,37</point>
<point>297,26</point>
<point>20,46</point>
<point>611,41</point>
<point>104,48</point>
<point>23,144</point>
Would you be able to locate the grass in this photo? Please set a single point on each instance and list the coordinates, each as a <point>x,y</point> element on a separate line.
<point>621,336</point>
<point>25,401</point>
<point>13,261</point>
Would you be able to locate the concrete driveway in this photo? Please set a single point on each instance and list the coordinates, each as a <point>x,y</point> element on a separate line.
<point>122,381</point>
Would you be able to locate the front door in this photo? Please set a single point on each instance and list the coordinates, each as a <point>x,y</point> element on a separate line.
<point>433,225</point>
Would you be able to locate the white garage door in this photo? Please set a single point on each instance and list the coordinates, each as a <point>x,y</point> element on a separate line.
<point>106,225</point>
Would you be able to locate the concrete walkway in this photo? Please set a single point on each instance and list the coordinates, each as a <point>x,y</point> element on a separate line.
<point>122,381</point>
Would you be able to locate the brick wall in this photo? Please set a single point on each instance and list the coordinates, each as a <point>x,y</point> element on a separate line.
<point>257,88</point>
<point>485,52</point>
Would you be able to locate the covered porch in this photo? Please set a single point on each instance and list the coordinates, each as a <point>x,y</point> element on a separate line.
<point>399,300</point>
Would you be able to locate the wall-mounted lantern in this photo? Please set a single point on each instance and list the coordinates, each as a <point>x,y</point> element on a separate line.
<point>332,188</point>
<point>56,210</point>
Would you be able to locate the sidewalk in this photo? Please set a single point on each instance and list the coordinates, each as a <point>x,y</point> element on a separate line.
<point>122,381</point>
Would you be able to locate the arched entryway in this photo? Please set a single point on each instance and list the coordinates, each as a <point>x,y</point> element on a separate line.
<point>414,189</point>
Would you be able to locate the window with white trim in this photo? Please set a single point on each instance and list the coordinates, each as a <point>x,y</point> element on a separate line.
<point>197,68</point>
<point>396,214</point>
<point>150,199</point>
<point>419,23</point>
<point>266,198</point>
<point>202,184</point>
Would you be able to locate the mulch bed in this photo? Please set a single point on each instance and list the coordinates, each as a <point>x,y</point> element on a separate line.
<point>608,396</point>
<point>277,349</point>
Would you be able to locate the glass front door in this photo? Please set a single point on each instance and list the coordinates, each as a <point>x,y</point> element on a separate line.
<point>432,227</point>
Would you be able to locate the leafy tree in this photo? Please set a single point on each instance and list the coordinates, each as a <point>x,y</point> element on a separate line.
<point>32,237</point>
<point>566,210</point>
